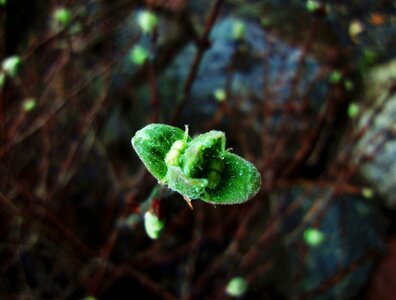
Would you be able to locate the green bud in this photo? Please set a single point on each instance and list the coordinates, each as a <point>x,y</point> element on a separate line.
<point>2,79</point>
<point>238,30</point>
<point>348,84</point>
<point>11,65</point>
<point>356,27</point>
<point>369,56</point>
<point>3,2</point>
<point>313,236</point>
<point>220,95</point>
<point>335,77</point>
<point>138,55</point>
<point>198,168</point>
<point>236,287</point>
<point>147,21</point>
<point>367,193</point>
<point>312,5</point>
<point>62,16</point>
<point>353,110</point>
<point>153,225</point>
<point>266,21</point>
<point>29,105</point>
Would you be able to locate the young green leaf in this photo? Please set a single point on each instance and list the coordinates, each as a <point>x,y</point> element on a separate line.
<point>198,168</point>
<point>201,149</point>
<point>152,143</point>
<point>178,181</point>
<point>239,182</point>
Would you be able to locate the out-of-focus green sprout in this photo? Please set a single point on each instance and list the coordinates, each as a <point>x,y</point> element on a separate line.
<point>236,287</point>
<point>147,21</point>
<point>11,65</point>
<point>62,16</point>
<point>3,2</point>
<point>355,28</point>
<point>29,104</point>
<point>313,236</point>
<point>138,55</point>
<point>266,21</point>
<point>75,29</point>
<point>238,30</point>
<point>353,110</point>
<point>367,193</point>
<point>348,85</point>
<point>335,77</point>
<point>369,56</point>
<point>312,5</point>
<point>2,79</point>
<point>89,298</point>
<point>153,225</point>
<point>220,95</point>
<point>393,74</point>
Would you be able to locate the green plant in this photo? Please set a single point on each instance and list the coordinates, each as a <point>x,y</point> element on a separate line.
<point>153,225</point>
<point>236,287</point>
<point>29,104</point>
<point>313,236</point>
<point>198,168</point>
<point>2,79</point>
<point>11,65</point>
<point>239,30</point>
<point>147,21</point>
<point>353,110</point>
<point>62,16</point>
<point>312,5</point>
<point>138,55</point>
<point>220,95</point>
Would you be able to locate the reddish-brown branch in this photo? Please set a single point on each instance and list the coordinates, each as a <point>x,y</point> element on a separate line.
<point>203,44</point>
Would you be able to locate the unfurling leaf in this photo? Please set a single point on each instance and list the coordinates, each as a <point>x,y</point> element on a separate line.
<point>198,168</point>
